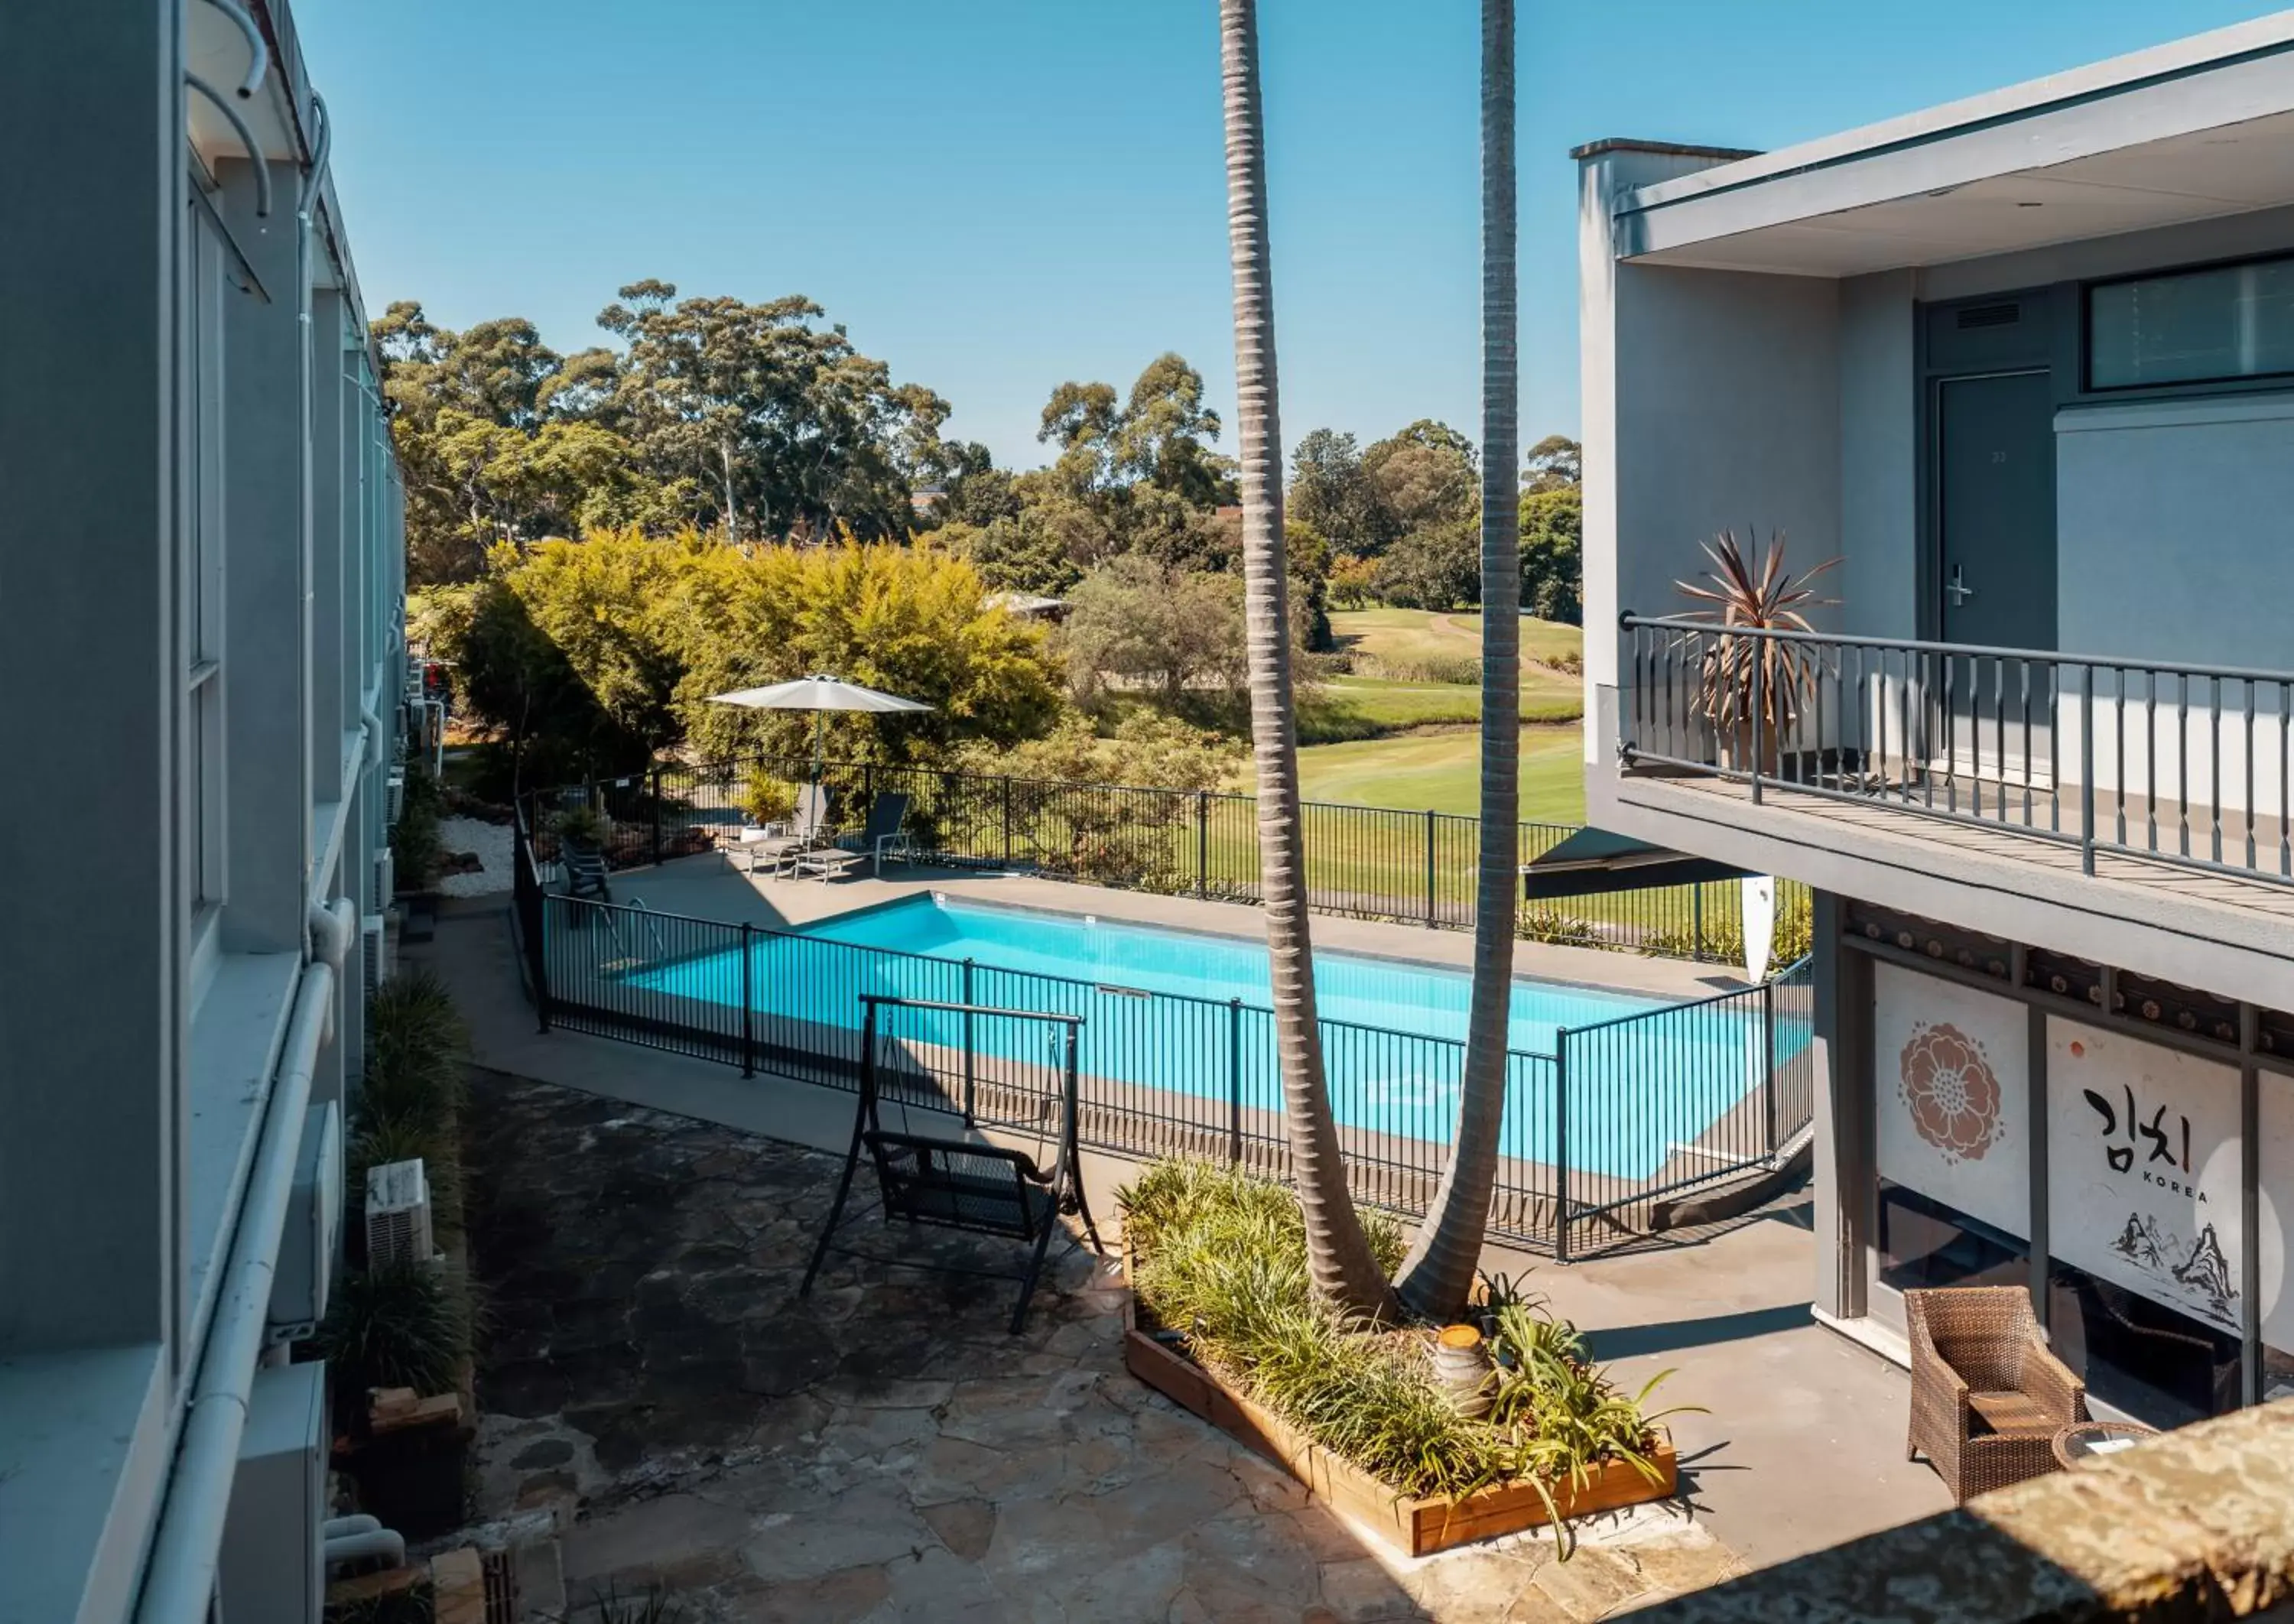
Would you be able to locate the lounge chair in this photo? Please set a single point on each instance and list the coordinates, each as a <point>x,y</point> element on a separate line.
<point>1986,1395</point>
<point>882,838</point>
<point>776,845</point>
<point>585,872</point>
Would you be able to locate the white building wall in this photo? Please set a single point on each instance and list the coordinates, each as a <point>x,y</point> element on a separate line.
<point>173,818</point>
<point>1878,585</point>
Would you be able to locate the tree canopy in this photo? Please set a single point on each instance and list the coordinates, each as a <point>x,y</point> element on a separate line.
<point>591,656</point>
<point>1131,474</point>
<point>757,420</point>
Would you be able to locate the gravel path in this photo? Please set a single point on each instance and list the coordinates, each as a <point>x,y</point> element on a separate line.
<point>490,843</point>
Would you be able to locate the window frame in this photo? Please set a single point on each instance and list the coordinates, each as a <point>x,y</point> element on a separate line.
<point>2211,383</point>
<point>200,565</point>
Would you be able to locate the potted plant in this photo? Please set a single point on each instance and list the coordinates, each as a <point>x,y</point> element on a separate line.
<point>581,827</point>
<point>770,803</point>
<point>1731,670</point>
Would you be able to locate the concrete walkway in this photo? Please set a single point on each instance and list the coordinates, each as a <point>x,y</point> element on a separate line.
<point>1802,1446</point>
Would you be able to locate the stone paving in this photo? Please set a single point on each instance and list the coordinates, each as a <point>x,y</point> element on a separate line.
<point>883,1451</point>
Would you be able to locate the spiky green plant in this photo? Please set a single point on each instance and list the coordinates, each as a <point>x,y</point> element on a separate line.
<point>417,1047</point>
<point>1222,1261</point>
<point>656,1604</point>
<point>399,1326</point>
<point>416,848</point>
<point>415,1604</point>
<point>1731,667</point>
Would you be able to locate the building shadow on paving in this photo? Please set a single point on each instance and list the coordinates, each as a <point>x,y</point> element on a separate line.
<point>883,1449</point>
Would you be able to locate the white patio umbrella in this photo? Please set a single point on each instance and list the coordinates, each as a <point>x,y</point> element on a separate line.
<point>818,694</point>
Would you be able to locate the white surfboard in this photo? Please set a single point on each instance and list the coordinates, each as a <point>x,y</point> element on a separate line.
<point>1760,914</point>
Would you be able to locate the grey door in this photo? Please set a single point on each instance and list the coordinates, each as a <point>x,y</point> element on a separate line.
<point>1995,568</point>
<point>1995,510</point>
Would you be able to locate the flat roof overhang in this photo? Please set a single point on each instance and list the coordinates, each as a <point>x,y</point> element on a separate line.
<point>1596,863</point>
<point>2194,130</point>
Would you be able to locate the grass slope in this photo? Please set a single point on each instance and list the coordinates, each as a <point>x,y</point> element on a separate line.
<point>1402,638</point>
<point>1440,769</point>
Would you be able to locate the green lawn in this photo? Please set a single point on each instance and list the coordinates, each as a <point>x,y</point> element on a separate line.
<point>1398,641</point>
<point>1440,770</point>
<point>1362,708</point>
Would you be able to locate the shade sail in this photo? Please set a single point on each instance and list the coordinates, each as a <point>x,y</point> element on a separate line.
<point>1595,863</point>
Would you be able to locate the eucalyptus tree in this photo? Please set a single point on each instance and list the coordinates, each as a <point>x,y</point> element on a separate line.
<point>1438,1273</point>
<point>1339,1259</point>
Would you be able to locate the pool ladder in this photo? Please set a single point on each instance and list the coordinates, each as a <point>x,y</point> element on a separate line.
<point>637,905</point>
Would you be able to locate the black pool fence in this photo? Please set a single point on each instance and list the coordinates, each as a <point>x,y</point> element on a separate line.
<point>1604,1137</point>
<point>1362,862</point>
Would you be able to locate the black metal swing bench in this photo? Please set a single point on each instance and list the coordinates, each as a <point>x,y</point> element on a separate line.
<point>961,1184</point>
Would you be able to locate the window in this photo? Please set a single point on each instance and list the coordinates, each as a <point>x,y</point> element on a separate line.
<point>1924,1244</point>
<point>201,585</point>
<point>2137,1353</point>
<point>2227,323</point>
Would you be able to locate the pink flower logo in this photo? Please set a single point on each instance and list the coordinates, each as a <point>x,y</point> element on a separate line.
<point>1948,1086</point>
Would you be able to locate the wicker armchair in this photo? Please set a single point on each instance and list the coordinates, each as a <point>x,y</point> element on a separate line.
<point>1987,1396</point>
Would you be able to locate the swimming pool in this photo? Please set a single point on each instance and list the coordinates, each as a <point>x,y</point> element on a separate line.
<point>1184,1013</point>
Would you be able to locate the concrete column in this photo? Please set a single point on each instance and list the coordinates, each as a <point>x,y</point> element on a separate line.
<point>327,531</point>
<point>1843,1131</point>
<point>92,940</point>
<point>1879,455</point>
<point>268,789</point>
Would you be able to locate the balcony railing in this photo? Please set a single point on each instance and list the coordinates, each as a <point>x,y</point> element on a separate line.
<point>2184,764</point>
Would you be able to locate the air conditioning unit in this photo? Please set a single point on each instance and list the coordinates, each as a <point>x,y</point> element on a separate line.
<point>272,1567</point>
<point>397,1215</point>
<point>394,797</point>
<point>372,943</point>
<point>306,1244</point>
<point>386,879</point>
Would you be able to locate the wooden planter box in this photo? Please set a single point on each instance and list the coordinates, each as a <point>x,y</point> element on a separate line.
<point>1416,1527</point>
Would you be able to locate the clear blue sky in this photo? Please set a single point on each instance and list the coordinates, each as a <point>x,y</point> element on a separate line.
<point>996,195</point>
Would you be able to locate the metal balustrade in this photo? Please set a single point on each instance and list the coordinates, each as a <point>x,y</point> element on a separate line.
<point>1378,863</point>
<point>2185,765</point>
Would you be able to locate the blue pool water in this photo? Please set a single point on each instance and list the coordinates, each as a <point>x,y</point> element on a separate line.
<point>1160,1018</point>
<point>1392,993</point>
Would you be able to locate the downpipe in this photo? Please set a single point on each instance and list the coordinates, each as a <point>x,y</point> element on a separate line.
<point>381,1544</point>
<point>179,1580</point>
<point>371,727</point>
<point>334,927</point>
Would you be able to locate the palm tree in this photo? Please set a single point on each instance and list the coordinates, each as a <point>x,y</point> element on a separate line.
<point>1439,1271</point>
<point>1339,1255</point>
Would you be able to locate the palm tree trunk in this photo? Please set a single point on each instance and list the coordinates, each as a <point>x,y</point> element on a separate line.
<point>1438,1274</point>
<point>1339,1254</point>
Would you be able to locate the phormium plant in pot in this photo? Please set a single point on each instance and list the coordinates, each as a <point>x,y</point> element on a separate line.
<point>1739,675</point>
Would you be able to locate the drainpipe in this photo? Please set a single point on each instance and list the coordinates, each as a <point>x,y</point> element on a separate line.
<point>334,927</point>
<point>246,139</point>
<point>258,53</point>
<point>370,725</point>
<point>179,1582</point>
<point>308,189</point>
<point>377,1541</point>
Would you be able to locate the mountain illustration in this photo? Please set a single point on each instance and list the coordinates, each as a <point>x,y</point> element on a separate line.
<point>2207,1272</point>
<point>2142,1241</point>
